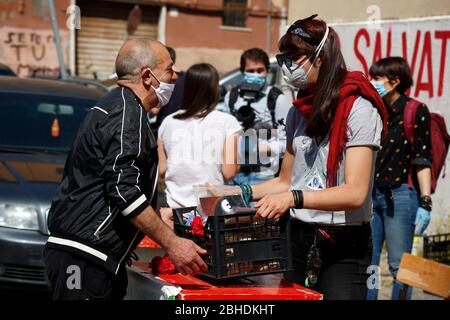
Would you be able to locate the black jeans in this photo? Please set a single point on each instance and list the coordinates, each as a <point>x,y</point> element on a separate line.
<point>343,274</point>
<point>75,278</point>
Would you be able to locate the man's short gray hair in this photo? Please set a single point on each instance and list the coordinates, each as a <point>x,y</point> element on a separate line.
<point>132,59</point>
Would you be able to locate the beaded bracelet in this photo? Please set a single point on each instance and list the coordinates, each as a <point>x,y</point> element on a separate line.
<point>247,192</point>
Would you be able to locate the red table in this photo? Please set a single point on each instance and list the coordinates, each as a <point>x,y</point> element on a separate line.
<point>266,287</point>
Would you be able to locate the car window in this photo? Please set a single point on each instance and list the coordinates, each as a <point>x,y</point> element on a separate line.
<point>39,122</point>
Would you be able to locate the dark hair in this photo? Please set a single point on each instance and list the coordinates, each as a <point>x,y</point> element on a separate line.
<point>393,68</point>
<point>201,91</point>
<point>254,54</point>
<point>331,74</point>
<point>172,53</point>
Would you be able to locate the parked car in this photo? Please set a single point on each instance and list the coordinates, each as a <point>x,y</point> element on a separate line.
<point>6,71</point>
<point>39,120</point>
<point>274,78</point>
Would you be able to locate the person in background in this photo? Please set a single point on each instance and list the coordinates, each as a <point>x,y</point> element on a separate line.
<point>197,144</point>
<point>398,207</point>
<point>270,109</point>
<point>174,103</point>
<point>333,135</point>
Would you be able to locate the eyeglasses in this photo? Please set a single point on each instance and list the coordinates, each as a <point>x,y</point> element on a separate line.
<point>288,60</point>
<point>284,59</point>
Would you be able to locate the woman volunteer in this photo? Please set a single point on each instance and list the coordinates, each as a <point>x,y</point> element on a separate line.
<point>333,134</point>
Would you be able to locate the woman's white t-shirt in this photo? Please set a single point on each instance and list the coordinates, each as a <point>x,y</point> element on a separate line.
<point>194,149</point>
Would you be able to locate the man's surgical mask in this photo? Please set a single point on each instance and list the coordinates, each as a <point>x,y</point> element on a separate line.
<point>295,74</point>
<point>379,86</point>
<point>255,78</point>
<point>163,92</point>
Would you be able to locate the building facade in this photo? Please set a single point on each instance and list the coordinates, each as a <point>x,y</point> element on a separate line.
<point>214,31</point>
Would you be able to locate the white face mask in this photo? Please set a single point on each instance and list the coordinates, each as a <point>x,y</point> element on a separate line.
<point>163,92</point>
<point>296,74</point>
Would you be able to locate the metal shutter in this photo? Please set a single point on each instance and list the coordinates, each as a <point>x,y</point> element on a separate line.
<point>103,31</point>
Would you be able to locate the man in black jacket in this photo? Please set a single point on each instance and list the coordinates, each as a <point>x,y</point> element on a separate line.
<point>103,207</point>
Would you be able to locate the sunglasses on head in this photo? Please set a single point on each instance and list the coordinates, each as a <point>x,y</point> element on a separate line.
<point>297,29</point>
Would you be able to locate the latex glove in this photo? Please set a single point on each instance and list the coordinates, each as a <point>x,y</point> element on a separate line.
<point>422,220</point>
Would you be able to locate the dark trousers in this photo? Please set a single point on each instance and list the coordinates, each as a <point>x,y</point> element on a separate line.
<point>344,272</point>
<point>75,278</point>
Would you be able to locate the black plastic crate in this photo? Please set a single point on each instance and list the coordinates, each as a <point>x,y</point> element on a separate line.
<point>437,248</point>
<point>239,245</point>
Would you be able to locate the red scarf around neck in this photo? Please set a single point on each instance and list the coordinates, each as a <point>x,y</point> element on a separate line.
<point>354,85</point>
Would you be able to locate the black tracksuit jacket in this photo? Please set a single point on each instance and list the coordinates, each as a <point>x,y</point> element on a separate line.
<point>110,176</point>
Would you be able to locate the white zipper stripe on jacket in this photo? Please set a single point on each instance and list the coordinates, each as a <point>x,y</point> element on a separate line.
<point>139,153</point>
<point>97,232</point>
<point>128,249</point>
<point>100,109</point>
<point>121,147</point>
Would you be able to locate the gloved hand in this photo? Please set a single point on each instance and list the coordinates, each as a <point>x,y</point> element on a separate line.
<point>422,220</point>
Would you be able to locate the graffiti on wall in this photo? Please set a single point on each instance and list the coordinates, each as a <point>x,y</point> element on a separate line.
<point>31,52</point>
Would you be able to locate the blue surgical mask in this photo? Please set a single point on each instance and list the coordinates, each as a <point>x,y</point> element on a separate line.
<point>255,78</point>
<point>379,86</point>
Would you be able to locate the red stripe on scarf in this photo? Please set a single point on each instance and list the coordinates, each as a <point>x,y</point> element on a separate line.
<point>354,85</point>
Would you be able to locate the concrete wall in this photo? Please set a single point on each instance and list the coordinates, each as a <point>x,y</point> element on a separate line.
<point>26,37</point>
<point>335,11</point>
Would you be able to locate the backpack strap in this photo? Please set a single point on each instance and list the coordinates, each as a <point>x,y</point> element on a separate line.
<point>234,94</point>
<point>272,97</point>
<point>409,119</point>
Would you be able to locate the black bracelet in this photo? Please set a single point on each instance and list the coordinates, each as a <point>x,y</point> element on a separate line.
<point>294,195</point>
<point>426,203</point>
<point>298,199</point>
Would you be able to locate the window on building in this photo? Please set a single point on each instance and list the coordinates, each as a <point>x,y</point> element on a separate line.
<point>234,13</point>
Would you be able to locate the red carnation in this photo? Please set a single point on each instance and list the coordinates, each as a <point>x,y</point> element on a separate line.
<point>197,227</point>
<point>162,265</point>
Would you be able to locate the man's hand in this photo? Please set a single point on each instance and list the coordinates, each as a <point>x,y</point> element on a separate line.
<point>274,206</point>
<point>185,255</point>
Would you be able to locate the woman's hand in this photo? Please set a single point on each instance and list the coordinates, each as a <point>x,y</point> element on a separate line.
<point>274,206</point>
